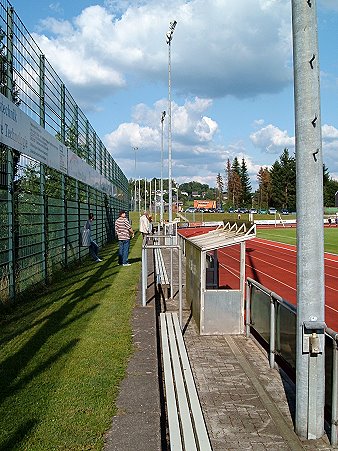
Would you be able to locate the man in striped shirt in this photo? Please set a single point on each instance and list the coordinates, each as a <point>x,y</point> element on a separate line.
<point>124,232</point>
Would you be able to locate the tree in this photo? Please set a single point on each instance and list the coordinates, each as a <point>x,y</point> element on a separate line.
<point>263,193</point>
<point>246,184</point>
<point>219,188</point>
<point>330,187</point>
<point>283,182</point>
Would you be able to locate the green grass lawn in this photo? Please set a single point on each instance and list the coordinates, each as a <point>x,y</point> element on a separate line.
<point>63,355</point>
<point>288,235</point>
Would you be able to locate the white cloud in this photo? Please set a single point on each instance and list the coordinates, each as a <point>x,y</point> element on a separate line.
<point>206,128</point>
<point>271,139</point>
<point>329,132</point>
<point>245,52</point>
<point>56,7</point>
<point>193,147</point>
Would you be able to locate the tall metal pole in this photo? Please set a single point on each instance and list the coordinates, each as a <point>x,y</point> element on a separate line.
<point>135,149</point>
<point>169,39</point>
<point>177,185</point>
<point>145,194</point>
<point>310,385</point>
<point>150,199</point>
<point>162,146</point>
<point>139,195</point>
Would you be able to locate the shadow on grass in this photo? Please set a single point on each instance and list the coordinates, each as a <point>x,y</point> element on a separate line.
<point>12,388</point>
<point>18,435</point>
<point>52,323</point>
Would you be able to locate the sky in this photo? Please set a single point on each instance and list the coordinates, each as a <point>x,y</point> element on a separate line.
<point>231,79</point>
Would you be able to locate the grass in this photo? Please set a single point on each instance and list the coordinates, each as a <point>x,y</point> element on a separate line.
<point>288,235</point>
<point>63,355</point>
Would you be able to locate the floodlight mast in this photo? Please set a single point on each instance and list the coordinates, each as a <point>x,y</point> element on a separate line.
<point>162,146</point>
<point>169,36</point>
<point>135,149</point>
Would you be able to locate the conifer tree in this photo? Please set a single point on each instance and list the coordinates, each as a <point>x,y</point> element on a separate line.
<point>246,184</point>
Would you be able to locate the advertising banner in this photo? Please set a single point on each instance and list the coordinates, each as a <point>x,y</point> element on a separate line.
<point>20,132</point>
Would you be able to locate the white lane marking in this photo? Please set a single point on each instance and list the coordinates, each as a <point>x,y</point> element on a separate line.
<point>281,246</point>
<point>331,308</point>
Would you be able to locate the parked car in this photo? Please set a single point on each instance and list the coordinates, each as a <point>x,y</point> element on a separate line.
<point>262,212</point>
<point>253,210</point>
<point>231,210</point>
<point>190,210</point>
<point>285,211</point>
<point>219,210</point>
<point>272,211</point>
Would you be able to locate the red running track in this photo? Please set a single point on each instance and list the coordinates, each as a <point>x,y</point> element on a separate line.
<point>273,265</point>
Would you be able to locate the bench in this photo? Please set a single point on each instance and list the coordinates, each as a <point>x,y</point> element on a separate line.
<point>187,429</point>
<point>161,272</point>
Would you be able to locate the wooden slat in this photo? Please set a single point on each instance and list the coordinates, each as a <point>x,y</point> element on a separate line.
<point>161,273</point>
<point>174,427</point>
<point>182,400</point>
<point>199,423</point>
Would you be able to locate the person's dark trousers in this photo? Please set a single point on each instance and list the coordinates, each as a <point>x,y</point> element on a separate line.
<point>123,251</point>
<point>93,250</point>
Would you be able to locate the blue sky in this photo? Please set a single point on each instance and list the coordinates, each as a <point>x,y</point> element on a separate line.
<point>232,80</point>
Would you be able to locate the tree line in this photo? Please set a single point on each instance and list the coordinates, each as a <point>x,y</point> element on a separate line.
<point>276,186</point>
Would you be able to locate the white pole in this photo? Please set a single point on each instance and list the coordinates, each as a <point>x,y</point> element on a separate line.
<point>145,194</point>
<point>161,206</point>
<point>139,194</point>
<point>169,39</point>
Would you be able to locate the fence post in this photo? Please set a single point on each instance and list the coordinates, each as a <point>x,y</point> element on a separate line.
<point>10,165</point>
<point>10,215</point>
<point>272,333</point>
<point>144,275</point>
<point>334,388</point>
<point>180,284</point>
<point>43,198</point>
<point>248,309</point>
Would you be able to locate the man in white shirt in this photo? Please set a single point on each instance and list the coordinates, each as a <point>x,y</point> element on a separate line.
<point>144,224</point>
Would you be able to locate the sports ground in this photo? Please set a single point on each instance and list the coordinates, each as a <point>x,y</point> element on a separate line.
<point>273,264</point>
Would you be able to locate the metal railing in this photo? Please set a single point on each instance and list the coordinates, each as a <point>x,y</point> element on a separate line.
<point>167,243</point>
<point>274,320</point>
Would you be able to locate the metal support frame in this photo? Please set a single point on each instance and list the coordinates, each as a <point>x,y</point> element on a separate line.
<point>9,157</point>
<point>334,390</point>
<point>272,347</point>
<point>145,248</point>
<point>44,208</point>
<point>248,309</point>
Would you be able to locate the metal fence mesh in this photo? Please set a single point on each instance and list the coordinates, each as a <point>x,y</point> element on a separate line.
<point>43,210</point>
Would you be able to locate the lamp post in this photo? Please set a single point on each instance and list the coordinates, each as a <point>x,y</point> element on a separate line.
<point>169,37</point>
<point>161,207</point>
<point>135,149</point>
<point>177,205</point>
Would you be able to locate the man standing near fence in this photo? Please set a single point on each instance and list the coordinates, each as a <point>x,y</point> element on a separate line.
<point>124,232</point>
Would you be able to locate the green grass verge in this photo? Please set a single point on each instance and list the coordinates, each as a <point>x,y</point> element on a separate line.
<point>288,235</point>
<point>63,355</point>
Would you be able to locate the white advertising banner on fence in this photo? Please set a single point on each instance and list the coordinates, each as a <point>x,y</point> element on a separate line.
<point>80,170</point>
<point>20,132</point>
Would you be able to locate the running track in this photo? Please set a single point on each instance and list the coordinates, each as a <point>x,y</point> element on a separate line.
<point>274,265</point>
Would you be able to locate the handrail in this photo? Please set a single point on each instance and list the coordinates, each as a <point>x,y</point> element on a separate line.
<point>330,333</point>
<point>145,247</point>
